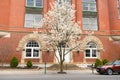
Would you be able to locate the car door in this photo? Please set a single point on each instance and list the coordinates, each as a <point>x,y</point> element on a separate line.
<point>116,66</point>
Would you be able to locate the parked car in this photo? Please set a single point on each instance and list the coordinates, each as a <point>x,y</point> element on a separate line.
<point>109,68</point>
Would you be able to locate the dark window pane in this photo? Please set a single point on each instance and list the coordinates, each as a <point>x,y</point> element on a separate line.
<point>28,52</point>
<point>87,53</point>
<point>94,53</point>
<point>91,45</point>
<point>36,53</point>
<point>32,44</point>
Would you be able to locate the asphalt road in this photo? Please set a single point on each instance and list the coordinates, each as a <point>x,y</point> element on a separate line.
<point>52,75</point>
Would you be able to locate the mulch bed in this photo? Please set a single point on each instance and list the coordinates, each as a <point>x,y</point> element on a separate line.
<point>7,67</point>
<point>66,67</point>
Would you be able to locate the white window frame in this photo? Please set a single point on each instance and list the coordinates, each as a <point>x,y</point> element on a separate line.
<point>65,0</point>
<point>32,50</point>
<point>90,24</point>
<point>89,6</point>
<point>91,49</point>
<point>34,24</point>
<point>34,4</point>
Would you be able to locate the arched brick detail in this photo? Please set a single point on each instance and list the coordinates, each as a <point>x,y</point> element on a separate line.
<point>27,38</point>
<point>93,39</point>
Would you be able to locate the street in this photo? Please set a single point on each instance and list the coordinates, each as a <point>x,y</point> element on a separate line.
<point>52,75</point>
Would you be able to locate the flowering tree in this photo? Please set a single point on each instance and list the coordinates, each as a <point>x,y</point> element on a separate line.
<point>62,33</point>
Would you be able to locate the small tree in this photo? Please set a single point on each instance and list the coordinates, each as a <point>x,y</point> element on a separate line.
<point>14,62</point>
<point>105,61</point>
<point>61,30</point>
<point>98,62</point>
<point>29,64</point>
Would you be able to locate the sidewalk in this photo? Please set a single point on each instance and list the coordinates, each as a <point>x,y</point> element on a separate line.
<point>42,71</point>
<point>34,74</point>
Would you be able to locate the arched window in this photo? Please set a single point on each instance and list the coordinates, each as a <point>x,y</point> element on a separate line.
<point>91,50</point>
<point>32,50</point>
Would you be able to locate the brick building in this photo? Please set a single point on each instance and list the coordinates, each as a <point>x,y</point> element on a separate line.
<point>100,21</point>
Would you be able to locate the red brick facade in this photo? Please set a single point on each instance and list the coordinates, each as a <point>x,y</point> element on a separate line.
<point>12,15</point>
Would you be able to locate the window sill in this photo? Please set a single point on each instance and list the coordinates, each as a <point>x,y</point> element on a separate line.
<point>34,7</point>
<point>91,57</point>
<point>31,57</point>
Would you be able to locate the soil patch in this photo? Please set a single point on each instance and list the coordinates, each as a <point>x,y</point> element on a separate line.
<point>66,67</point>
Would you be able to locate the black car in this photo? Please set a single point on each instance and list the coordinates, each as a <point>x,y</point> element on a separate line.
<point>109,68</point>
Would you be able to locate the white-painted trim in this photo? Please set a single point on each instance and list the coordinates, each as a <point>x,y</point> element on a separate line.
<point>34,4</point>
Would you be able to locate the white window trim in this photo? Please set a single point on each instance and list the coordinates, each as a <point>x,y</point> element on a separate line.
<point>89,6</point>
<point>91,53</point>
<point>32,48</point>
<point>34,5</point>
<point>88,21</point>
<point>93,25</point>
<point>34,23</point>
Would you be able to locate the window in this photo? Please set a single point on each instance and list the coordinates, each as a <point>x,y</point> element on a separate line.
<point>91,50</point>
<point>90,23</point>
<point>117,62</point>
<point>32,20</point>
<point>89,5</point>
<point>33,16</point>
<point>32,50</point>
<point>63,0</point>
<point>89,15</point>
<point>118,5</point>
<point>34,3</point>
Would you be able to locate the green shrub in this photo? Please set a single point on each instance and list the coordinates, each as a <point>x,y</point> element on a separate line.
<point>98,62</point>
<point>105,61</point>
<point>14,62</point>
<point>29,64</point>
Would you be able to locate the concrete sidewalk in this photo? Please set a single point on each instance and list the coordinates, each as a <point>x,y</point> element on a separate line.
<point>42,71</point>
<point>35,74</point>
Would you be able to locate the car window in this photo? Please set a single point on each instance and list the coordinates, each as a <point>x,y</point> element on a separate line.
<point>117,62</point>
<point>109,63</point>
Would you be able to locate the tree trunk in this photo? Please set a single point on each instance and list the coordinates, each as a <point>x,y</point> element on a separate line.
<point>61,66</point>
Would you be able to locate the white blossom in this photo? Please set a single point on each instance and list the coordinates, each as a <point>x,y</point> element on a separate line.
<point>61,32</point>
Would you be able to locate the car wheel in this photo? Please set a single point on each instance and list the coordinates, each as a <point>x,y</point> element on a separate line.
<point>118,72</point>
<point>109,71</point>
<point>100,73</point>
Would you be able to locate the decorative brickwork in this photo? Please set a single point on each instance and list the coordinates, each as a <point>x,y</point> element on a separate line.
<point>27,38</point>
<point>94,39</point>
